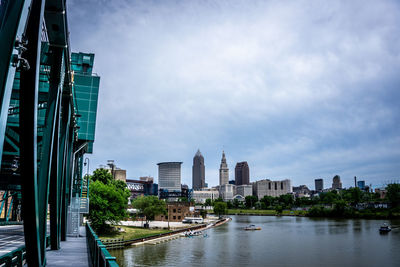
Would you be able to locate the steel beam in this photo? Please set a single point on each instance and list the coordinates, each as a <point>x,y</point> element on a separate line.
<point>29,87</point>
<point>13,10</point>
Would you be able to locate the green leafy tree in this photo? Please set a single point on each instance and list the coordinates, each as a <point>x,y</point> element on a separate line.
<point>236,203</point>
<point>328,197</point>
<point>103,176</point>
<point>352,195</point>
<point>287,199</point>
<point>268,201</point>
<point>203,213</point>
<point>149,206</point>
<point>183,199</point>
<point>393,194</point>
<point>219,200</point>
<point>250,201</point>
<point>108,203</point>
<point>279,209</point>
<point>339,207</point>
<point>208,202</point>
<point>220,208</point>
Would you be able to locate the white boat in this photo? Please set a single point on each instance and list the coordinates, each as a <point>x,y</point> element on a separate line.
<point>252,227</point>
<point>385,228</point>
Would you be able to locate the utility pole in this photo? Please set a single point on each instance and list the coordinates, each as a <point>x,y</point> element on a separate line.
<point>168,215</point>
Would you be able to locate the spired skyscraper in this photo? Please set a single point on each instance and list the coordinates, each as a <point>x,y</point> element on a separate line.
<point>198,172</point>
<point>223,171</point>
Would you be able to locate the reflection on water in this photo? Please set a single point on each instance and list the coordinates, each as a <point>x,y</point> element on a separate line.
<point>283,241</point>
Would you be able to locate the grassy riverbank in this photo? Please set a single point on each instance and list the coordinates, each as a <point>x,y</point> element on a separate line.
<point>131,232</point>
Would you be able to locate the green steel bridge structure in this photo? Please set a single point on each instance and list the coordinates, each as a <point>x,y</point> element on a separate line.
<point>48,105</point>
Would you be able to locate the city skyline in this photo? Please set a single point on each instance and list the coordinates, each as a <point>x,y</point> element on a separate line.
<point>299,90</point>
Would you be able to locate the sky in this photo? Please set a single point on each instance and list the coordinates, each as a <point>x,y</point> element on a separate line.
<point>298,89</point>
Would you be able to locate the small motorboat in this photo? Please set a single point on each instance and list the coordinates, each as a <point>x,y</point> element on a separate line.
<point>385,228</point>
<point>252,227</point>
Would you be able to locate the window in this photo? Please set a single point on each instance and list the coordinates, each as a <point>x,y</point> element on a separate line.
<point>179,210</point>
<point>179,217</point>
<point>276,186</point>
<point>281,186</point>
<point>174,210</point>
<point>269,185</point>
<point>174,217</point>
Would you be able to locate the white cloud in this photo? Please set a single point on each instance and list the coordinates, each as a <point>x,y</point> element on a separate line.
<point>178,75</point>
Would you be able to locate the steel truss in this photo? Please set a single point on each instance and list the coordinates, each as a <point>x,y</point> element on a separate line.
<point>41,156</point>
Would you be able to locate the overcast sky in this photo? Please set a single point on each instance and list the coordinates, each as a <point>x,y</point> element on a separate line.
<point>298,89</point>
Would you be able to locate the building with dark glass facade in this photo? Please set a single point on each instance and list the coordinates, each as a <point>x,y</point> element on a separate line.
<point>319,185</point>
<point>242,173</point>
<point>198,171</point>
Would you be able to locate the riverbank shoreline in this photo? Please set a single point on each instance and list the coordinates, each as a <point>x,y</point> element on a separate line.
<point>159,238</point>
<point>323,213</point>
<point>326,217</point>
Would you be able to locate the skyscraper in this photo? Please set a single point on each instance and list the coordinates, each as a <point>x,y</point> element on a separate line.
<point>198,171</point>
<point>169,176</point>
<point>242,173</point>
<point>223,171</point>
<point>336,183</point>
<point>319,184</point>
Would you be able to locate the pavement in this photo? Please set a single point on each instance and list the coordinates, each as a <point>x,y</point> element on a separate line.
<point>73,252</point>
<point>11,237</point>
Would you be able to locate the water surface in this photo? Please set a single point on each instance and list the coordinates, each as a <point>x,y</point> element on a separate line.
<point>283,241</point>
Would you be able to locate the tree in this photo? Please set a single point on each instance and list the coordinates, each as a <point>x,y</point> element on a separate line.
<point>279,209</point>
<point>149,206</point>
<point>339,208</point>
<point>220,208</point>
<point>108,203</point>
<point>250,201</point>
<point>352,195</point>
<point>236,203</point>
<point>328,197</point>
<point>208,202</point>
<point>287,199</point>
<point>268,201</point>
<point>183,199</point>
<point>103,176</point>
<point>393,194</point>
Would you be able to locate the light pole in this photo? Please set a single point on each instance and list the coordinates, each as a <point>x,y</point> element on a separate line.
<point>84,163</point>
<point>168,215</point>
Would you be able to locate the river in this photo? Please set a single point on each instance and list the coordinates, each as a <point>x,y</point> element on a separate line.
<point>283,241</point>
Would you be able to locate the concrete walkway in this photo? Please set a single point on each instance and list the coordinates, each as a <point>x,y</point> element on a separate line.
<point>11,238</point>
<point>73,252</point>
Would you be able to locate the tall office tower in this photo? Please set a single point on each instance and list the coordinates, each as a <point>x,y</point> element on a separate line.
<point>319,184</point>
<point>223,171</point>
<point>169,176</point>
<point>336,184</point>
<point>242,173</point>
<point>198,171</point>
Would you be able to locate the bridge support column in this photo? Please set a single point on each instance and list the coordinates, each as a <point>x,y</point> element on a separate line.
<point>29,87</point>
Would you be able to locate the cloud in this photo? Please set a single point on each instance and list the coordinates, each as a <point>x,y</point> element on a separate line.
<point>303,80</point>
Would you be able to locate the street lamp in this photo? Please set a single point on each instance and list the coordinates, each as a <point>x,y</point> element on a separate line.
<point>168,215</point>
<point>84,163</point>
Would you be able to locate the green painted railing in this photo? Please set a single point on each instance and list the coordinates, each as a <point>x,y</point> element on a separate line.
<point>99,255</point>
<point>13,258</point>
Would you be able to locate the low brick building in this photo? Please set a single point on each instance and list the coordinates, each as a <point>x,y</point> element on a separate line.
<point>177,211</point>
